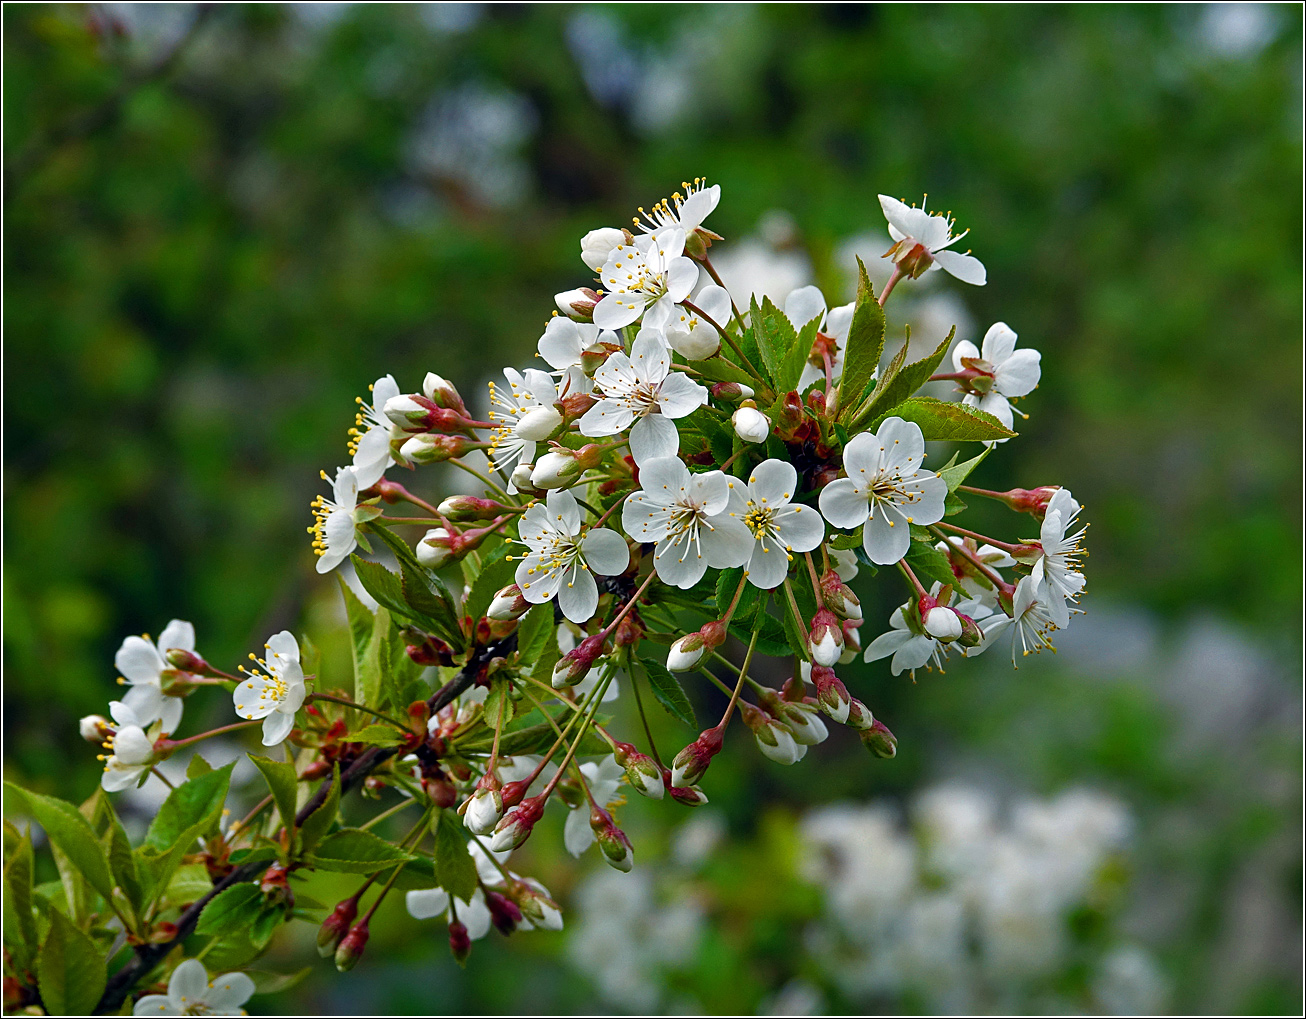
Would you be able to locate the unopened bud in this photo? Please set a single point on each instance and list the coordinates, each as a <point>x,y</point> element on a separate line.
<point>852,641</point>
<point>629,631</point>
<point>508,603</point>
<point>443,393</point>
<point>774,738</point>
<point>805,723</point>
<point>504,913</point>
<point>536,905</point>
<point>859,715</point>
<point>971,634</point>
<point>275,886</point>
<point>751,425</point>
<point>596,245</point>
<point>616,847</point>
<point>576,663</point>
<point>515,826</point>
<point>484,809</point>
<point>942,624</point>
<point>790,415</point>
<point>839,597</point>
<point>460,942</point>
<point>95,729</point>
<point>642,772</point>
<point>430,651</point>
<point>577,304</point>
<point>187,661</point>
<point>409,411</point>
<point>731,392</point>
<point>689,795</point>
<point>826,638</point>
<point>465,509</point>
<point>351,947</point>
<point>335,926</point>
<point>880,741</point>
<point>685,654</point>
<point>538,423</point>
<point>562,467</point>
<point>691,763</point>
<point>831,694</point>
<point>430,448</point>
<point>435,549</point>
<point>520,479</point>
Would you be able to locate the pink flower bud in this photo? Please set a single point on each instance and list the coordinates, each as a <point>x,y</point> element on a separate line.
<point>430,448</point>
<point>831,694</point>
<point>942,624</point>
<point>971,634</point>
<point>576,663</point>
<point>335,926</point>
<point>351,947</point>
<point>879,740</point>
<point>516,825</point>
<point>504,913</point>
<point>691,763</point>
<point>642,772</point>
<point>689,796</point>
<point>443,393</point>
<point>188,661</point>
<point>578,304</point>
<point>460,942</point>
<point>859,715</point>
<point>430,651</point>
<point>839,597</point>
<point>508,603</point>
<point>485,808</point>
<point>731,392</point>
<point>466,509</point>
<point>535,903</point>
<point>826,638</point>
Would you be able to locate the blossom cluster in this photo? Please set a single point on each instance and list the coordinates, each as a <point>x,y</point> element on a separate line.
<point>688,478</point>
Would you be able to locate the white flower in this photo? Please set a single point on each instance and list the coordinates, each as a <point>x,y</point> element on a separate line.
<point>885,489</point>
<point>648,277</point>
<point>143,664</point>
<point>642,389</point>
<point>333,521</point>
<point>910,227</point>
<point>369,440</point>
<point>683,516</point>
<point>807,303</point>
<point>688,212</point>
<point>845,563</point>
<point>1030,622</point>
<point>428,903</point>
<point>908,642</point>
<point>562,555</point>
<point>751,424</point>
<point>190,992</point>
<point>483,811</point>
<point>967,578</point>
<point>691,336</point>
<point>524,415</point>
<point>564,341</point>
<point>603,779</point>
<point>1008,373</point>
<point>778,526</point>
<point>597,245</point>
<point>274,697</point>
<point>132,752</point>
<point>1056,574</point>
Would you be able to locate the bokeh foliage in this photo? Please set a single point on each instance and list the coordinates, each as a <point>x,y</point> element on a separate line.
<point>204,267</point>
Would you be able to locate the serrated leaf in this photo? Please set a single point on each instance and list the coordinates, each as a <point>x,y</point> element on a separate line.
<point>361,625</point>
<point>795,360</point>
<point>865,345</point>
<point>496,573</point>
<point>772,640</point>
<point>956,473</point>
<point>427,596</point>
<point>401,677</point>
<point>455,870</point>
<point>71,972</point>
<point>317,823</point>
<point>197,766</point>
<point>20,933</point>
<point>275,983</point>
<point>848,540</point>
<point>284,784</point>
<point>535,631</point>
<point>355,851</point>
<point>906,381</point>
<point>941,421</point>
<point>265,923</point>
<point>381,584</point>
<point>72,835</point>
<point>718,369</point>
<point>928,562</point>
<point>196,803</point>
<point>669,693</point>
<point>953,505</point>
<point>376,735</point>
<point>367,680</point>
<point>498,707</point>
<point>727,584</point>
<point>122,864</point>
<point>232,909</point>
<point>190,883</point>
<point>775,337</point>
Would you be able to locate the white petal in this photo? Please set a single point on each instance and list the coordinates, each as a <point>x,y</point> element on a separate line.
<point>564,512</point>
<point>653,437</point>
<point>803,305</point>
<point>578,596</point>
<point>964,349</point>
<point>170,714</point>
<point>1018,374</point>
<point>682,275</point>
<point>606,552</point>
<point>475,915</point>
<point>913,654</point>
<point>607,417</point>
<point>146,702</point>
<point>153,1004</point>
<point>844,503</point>
<point>887,536</point>
<point>284,646</point>
<point>901,440</point>
<point>773,482</point>
<point>966,268</point>
<point>644,518</point>
<point>276,727</point>
<point>229,992</point>
<point>800,527</point>
<point>714,301</point>
<point>426,903</point>
<point>189,981</point>
<point>999,342</point>
<point>907,221</point>
<point>139,661</point>
<point>253,698</point>
<point>561,344</point>
<point>887,644</point>
<point>650,356</point>
<point>616,311</point>
<point>680,395</point>
<point>177,634</point>
<point>768,567</point>
<point>727,543</point>
<point>577,835</point>
<point>862,458</point>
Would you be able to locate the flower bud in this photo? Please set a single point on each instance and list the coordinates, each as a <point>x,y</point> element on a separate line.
<point>562,467</point>
<point>912,257</point>
<point>95,729</point>
<point>971,634</point>
<point>435,549</point>
<point>685,654</point>
<point>515,827</point>
<point>790,416</point>
<point>430,651</point>
<point>826,638</point>
<point>576,663</point>
<point>689,795</point>
<point>460,942</point>
<point>831,694</point>
<point>880,741</point>
<point>504,913</point>
<point>484,809</point>
<point>691,763</point>
<point>578,304</point>
<point>942,624</point>
<point>613,842</point>
<point>596,245</point>
<point>442,393</point>
<point>430,448</point>
<point>852,641</point>
<point>845,563</point>
<point>520,479</point>
<point>773,737</point>
<point>642,772</point>
<point>536,905</point>
<point>1033,501</point>
<point>275,886</point>
<point>859,715</point>
<point>575,405</point>
<point>839,597</point>
<point>538,423</point>
<point>731,392</point>
<point>805,723</point>
<point>508,604</point>
<point>187,661</point>
<point>351,947</point>
<point>466,509</point>
<point>335,926</point>
<point>751,425</point>
<point>408,411</point>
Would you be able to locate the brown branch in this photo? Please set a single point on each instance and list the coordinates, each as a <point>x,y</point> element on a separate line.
<point>149,956</point>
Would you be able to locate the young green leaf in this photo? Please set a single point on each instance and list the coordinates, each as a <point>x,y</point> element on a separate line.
<point>865,345</point>
<point>948,422</point>
<point>455,870</point>
<point>189,884</point>
<point>196,804</point>
<point>376,735</point>
<point>355,851</point>
<point>70,970</point>
<point>20,933</point>
<point>903,383</point>
<point>232,909</point>
<point>381,584</point>
<point>929,563</point>
<point>284,783</point>
<point>718,369</point>
<point>775,339</point>
<point>955,474</point>
<point>795,360</point>
<point>669,693</point>
<point>317,823</point>
<point>71,834</point>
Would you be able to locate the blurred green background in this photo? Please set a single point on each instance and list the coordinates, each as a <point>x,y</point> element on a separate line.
<point>222,223</point>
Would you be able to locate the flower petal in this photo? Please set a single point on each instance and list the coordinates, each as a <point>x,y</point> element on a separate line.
<point>768,566</point>
<point>966,268</point>
<point>887,536</point>
<point>177,634</point>
<point>680,395</point>
<point>139,661</point>
<point>999,342</point>
<point>800,527</point>
<point>276,727</point>
<point>1018,374</point>
<point>803,305</point>
<point>188,982</point>
<point>653,437</point>
<point>577,835</point>
<point>844,503</point>
<point>615,311</point>
<point>426,903</point>
<point>578,596</point>
<point>605,552</point>
<point>229,992</point>
<point>773,482</point>
<point>964,349</point>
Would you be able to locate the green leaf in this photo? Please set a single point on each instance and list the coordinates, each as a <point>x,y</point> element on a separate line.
<point>718,369</point>
<point>865,345</point>
<point>194,804</point>
<point>928,561</point>
<point>397,545</point>
<point>848,540</point>
<point>284,783</point>
<point>71,973</point>
<point>955,474</point>
<point>455,870</point>
<point>775,339</point>
<point>953,505</point>
<point>72,835</point>
<point>355,851</point>
<point>232,909</point>
<point>427,596</point>
<point>381,584</point>
<point>401,677</point>
<point>906,381</point>
<point>498,700</point>
<point>317,823</point>
<point>669,693</point>
<point>496,573</point>
<point>190,883</point>
<point>122,864</point>
<point>265,924</point>
<point>367,681</point>
<point>197,766</point>
<point>361,624</point>
<point>275,983</point>
<point>941,421</point>
<point>376,735</point>
<point>796,359</point>
<point>727,583</point>
<point>19,924</point>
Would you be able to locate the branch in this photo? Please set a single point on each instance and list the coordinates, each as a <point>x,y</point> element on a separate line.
<point>149,956</point>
